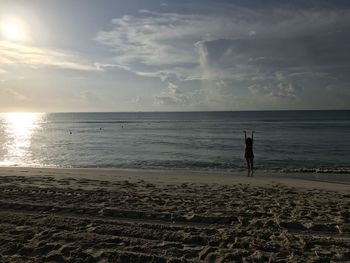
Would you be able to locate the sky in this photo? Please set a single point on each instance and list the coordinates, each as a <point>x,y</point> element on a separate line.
<point>116,55</point>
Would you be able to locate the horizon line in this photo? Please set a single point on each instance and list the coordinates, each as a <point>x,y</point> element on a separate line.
<point>190,111</point>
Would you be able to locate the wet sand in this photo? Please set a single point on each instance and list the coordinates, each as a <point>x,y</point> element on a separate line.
<point>96,215</point>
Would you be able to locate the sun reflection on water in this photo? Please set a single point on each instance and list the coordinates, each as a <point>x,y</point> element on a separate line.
<point>18,128</point>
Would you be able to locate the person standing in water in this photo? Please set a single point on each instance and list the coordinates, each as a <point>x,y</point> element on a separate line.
<point>249,155</point>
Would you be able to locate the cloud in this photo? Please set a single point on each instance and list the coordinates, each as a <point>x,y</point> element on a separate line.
<point>280,90</point>
<point>275,52</point>
<point>12,98</point>
<point>171,96</point>
<point>145,39</point>
<point>213,46</point>
<point>103,66</point>
<point>19,54</point>
<point>221,84</point>
<point>163,75</point>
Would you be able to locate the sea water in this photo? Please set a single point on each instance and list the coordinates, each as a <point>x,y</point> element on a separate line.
<point>284,141</point>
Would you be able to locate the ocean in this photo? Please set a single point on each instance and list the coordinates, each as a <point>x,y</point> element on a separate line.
<point>284,141</point>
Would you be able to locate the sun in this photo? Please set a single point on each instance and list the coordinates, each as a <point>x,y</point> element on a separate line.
<point>13,30</point>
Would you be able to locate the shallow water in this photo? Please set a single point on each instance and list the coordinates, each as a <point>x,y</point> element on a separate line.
<point>287,141</point>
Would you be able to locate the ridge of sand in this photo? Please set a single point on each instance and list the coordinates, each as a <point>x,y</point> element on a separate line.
<point>98,215</point>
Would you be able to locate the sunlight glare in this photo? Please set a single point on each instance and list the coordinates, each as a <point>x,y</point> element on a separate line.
<point>19,128</point>
<point>13,30</point>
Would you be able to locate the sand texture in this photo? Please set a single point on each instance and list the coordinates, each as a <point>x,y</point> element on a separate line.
<point>60,217</point>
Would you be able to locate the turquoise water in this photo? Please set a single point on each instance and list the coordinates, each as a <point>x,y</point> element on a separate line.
<point>287,141</point>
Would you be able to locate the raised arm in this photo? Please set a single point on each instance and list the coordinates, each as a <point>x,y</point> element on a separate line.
<point>245,136</point>
<point>253,135</point>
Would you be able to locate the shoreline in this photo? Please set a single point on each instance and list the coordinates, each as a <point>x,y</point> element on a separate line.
<point>180,176</point>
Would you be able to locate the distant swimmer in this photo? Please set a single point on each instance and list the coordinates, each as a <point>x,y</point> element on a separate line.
<point>249,155</point>
<point>70,132</point>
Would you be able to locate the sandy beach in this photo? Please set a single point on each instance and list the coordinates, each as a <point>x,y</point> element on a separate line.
<point>97,215</point>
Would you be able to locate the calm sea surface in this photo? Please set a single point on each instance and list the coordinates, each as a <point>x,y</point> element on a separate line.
<point>285,141</point>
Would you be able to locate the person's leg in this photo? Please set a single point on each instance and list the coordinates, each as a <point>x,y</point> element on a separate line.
<point>252,166</point>
<point>248,165</point>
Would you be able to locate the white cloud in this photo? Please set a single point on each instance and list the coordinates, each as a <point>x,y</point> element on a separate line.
<point>221,84</point>
<point>11,97</point>
<point>279,90</point>
<point>236,55</point>
<point>156,44</point>
<point>171,96</point>
<point>19,54</point>
<point>103,66</point>
<point>166,41</point>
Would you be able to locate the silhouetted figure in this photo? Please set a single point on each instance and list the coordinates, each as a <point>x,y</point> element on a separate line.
<point>249,155</point>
